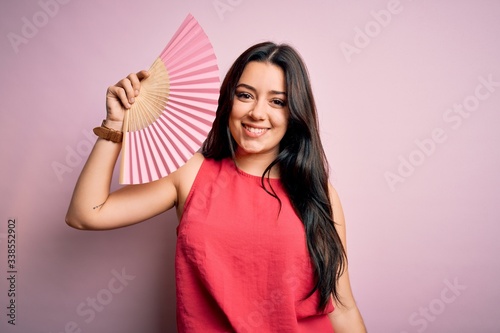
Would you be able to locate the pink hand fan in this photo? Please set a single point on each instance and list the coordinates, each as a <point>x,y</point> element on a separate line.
<point>175,109</point>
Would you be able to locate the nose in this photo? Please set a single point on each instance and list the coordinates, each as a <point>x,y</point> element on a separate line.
<point>258,111</point>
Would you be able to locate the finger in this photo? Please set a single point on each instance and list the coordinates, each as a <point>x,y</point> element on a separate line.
<point>136,84</point>
<point>120,93</point>
<point>127,85</point>
<point>143,74</point>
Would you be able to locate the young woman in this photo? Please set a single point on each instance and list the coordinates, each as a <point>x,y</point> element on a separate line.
<point>261,238</point>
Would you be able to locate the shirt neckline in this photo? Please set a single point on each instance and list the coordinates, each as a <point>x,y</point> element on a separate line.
<point>246,174</point>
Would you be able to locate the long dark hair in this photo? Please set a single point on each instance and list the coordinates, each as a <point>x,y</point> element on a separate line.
<point>301,161</point>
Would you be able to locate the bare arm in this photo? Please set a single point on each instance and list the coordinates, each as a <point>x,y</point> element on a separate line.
<point>92,205</point>
<point>346,317</point>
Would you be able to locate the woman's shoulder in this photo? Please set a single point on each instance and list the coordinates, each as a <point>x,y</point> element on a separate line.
<point>184,177</point>
<point>187,172</point>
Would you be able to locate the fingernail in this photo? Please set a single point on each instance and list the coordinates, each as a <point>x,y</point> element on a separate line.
<point>132,100</point>
<point>136,92</point>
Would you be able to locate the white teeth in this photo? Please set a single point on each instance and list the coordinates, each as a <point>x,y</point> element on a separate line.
<point>255,130</point>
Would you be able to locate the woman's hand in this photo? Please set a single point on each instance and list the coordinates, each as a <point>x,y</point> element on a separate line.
<point>121,96</point>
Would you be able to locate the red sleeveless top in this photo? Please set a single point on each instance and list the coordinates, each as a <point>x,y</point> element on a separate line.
<point>242,264</point>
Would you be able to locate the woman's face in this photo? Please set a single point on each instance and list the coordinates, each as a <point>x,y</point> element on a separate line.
<point>259,117</point>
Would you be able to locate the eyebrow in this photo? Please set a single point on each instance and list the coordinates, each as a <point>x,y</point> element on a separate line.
<point>249,87</point>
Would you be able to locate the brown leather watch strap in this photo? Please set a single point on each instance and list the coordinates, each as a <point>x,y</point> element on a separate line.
<point>109,134</point>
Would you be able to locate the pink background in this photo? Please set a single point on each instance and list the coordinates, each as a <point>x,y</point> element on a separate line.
<point>423,245</point>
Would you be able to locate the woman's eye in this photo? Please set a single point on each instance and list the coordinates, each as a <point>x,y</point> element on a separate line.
<point>243,95</point>
<point>279,102</point>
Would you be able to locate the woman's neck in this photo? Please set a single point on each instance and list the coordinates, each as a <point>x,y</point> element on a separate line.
<point>256,164</point>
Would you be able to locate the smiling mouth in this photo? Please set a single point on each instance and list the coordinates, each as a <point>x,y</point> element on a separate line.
<point>255,130</point>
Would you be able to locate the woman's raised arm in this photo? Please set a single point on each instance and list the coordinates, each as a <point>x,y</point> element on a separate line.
<point>92,205</point>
